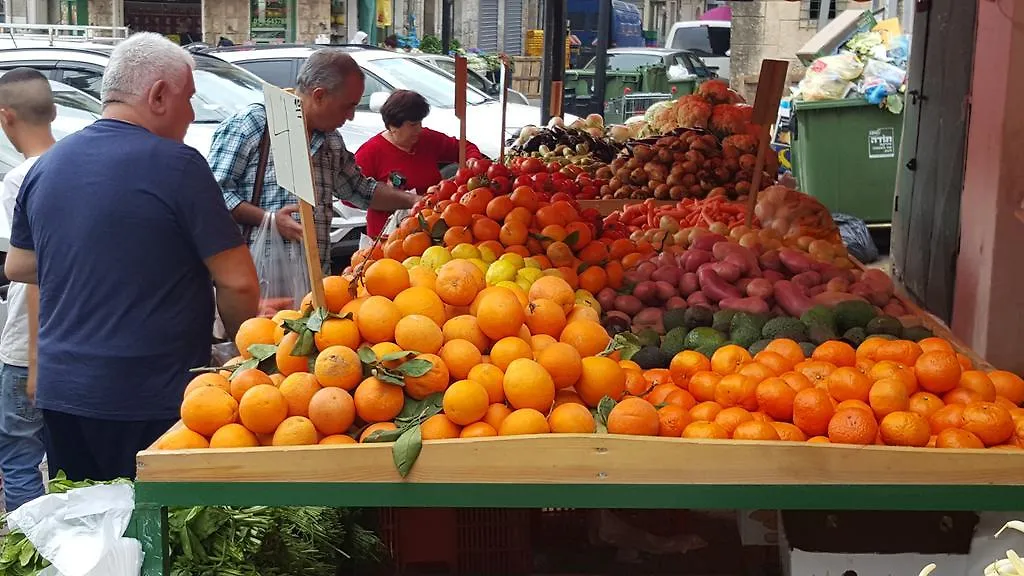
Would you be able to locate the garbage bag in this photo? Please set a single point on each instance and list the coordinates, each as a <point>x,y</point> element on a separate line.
<point>844,65</point>
<point>857,238</point>
<point>81,532</point>
<point>281,268</point>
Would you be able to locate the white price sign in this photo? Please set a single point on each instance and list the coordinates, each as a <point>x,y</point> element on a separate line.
<point>289,142</point>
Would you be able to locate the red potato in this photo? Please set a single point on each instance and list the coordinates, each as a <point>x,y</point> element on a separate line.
<point>860,289</point>
<point>606,298</point>
<point>688,284</point>
<point>675,302</point>
<point>772,276</point>
<point>834,273</point>
<point>627,304</point>
<point>647,268</point>
<point>743,257</point>
<point>815,291</point>
<point>697,299</point>
<point>727,270</point>
<point>894,309</point>
<point>795,261</point>
<point>760,288</point>
<point>664,291</point>
<point>791,298</point>
<point>808,279</point>
<point>617,314</point>
<point>748,305</point>
<point>694,259</point>
<point>714,286</point>
<point>770,260</point>
<point>707,241</point>
<point>635,277</point>
<point>667,273</point>
<point>830,299</point>
<point>649,318</point>
<point>878,281</point>
<point>879,298</point>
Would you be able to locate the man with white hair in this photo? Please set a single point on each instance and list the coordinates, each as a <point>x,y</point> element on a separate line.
<point>123,227</point>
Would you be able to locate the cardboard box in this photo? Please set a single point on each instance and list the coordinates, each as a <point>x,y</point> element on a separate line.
<point>828,40</point>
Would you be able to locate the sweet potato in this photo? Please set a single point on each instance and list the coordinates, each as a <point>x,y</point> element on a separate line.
<point>688,284</point>
<point>727,270</point>
<point>697,299</point>
<point>834,273</point>
<point>791,298</point>
<point>837,285</point>
<point>738,255</point>
<point>714,286</point>
<point>707,241</point>
<point>808,279</point>
<point>814,291</point>
<point>694,259</point>
<point>742,284</point>
<point>894,309</point>
<point>772,276</point>
<point>770,260</point>
<point>878,281</point>
<point>795,261</point>
<point>749,305</point>
<point>760,288</point>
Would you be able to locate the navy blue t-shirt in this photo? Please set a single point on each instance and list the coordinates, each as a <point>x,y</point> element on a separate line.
<point>121,220</point>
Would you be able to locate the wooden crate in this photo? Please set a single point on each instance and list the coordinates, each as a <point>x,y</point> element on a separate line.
<point>526,75</point>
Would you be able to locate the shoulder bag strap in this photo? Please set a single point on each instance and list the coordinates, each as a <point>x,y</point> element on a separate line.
<point>261,171</point>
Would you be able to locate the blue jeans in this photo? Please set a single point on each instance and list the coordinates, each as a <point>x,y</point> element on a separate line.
<point>21,439</point>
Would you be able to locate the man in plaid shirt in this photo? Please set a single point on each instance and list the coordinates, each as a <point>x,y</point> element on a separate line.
<point>330,86</point>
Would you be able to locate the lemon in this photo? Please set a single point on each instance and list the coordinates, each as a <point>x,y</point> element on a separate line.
<point>479,264</point>
<point>412,262</point>
<point>465,252</point>
<point>488,255</point>
<point>529,274</point>
<point>500,271</point>
<point>435,257</point>
<point>532,263</point>
<point>514,258</point>
<point>553,272</point>
<point>524,285</point>
<point>585,298</point>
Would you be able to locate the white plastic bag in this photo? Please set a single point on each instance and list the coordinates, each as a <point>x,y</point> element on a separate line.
<point>81,532</point>
<point>281,268</point>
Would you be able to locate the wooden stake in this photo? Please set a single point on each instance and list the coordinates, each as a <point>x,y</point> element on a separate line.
<point>504,110</point>
<point>461,77</point>
<point>312,249</point>
<point>556,98</point>
<point>770,85</point>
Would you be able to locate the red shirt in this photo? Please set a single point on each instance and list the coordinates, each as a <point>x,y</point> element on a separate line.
<point>378,158</point>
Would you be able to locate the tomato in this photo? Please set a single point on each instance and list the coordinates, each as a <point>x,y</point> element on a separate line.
<point>459,193</point>
<point>496,170</point>
<point>532,165</point>
<point>500,184</point>
<point>584,180</point>
<point>463,175</point>
<point>558,177</point>
<point>479,166</point>
<point>523,180</point>
<point>588,192</point>
<point>446,189</point>
<point>561,197</point>
<point>554,166</point>
<point>476,182</point>
<point>566,187</point>
<point>541,180</point>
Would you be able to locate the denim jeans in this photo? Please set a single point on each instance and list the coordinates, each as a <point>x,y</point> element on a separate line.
<point>21,439</point>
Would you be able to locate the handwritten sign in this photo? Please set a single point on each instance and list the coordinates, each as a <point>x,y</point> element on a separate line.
<point>289,142</point>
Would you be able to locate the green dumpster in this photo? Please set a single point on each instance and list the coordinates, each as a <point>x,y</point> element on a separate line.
<point>655,79</point>
<point>845,153</point>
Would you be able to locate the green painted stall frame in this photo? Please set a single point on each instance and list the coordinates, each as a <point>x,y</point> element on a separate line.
<point>575,471</point>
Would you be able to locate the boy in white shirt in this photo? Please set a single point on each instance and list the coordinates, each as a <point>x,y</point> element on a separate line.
<point>26,112</point>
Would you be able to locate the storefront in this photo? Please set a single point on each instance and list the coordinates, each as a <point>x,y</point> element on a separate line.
<point>272,21</point>
<point>180,20</point>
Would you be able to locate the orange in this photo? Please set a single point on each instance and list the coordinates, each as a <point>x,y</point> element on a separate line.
<point>485,230</point>
<point>338,366</point>
<point>887,396</point>
<point>600,377</point>
<point>456,215</point>
<point>262,409</point>
<point>706,411</point>
<point>900,351</point>
<point>207,409</point>
<point>421,300</point>
<point>528,385</point>
<point>703,384</point>
<point>491,378</point>
<point>279,319</point>
<point>465,327</point>
<point>545,316</point>
<point>337,439</point>
<point>460,356</point>
<point>286,363</point>
<point>737,390</point>
<point>439,427</point>
<point>417,332</point>
<point>660,392</point>
<point>681,398</point>
<point>889,369</point>
<point>672,420</point>
<point>812,411</point>
<point>414,244</point>
<point>858,404</point>
<point>500,313</point>
<point>658,376</point>
<point>421,277</point>
<point>938,372</point>
<point>774,361</point>
<point>687,363</point>
<point>182,439</point>
<point>386,278</point>
<point>465,402</point>
<point>560,254</point>
<point>524,421</point>
<point>382,349</point>
<point>458,235</point>
<point>816,371</point>
<point>1008,385</point>
<point>513,233</point>
<point>634,416</point>
<point>378,401</point>
<point>508,349</point>
<point>775,398</point>
<point>819,440</point>
<point>234,436</point>
<point>496,414</point>
<point>568,396</point>
<point>254,331</point>
<point>394,249</point>
<point>853,426</point>
<point>905,429</point>
<point>728,359</point>
<point>332,411</point>
<point>337,332</point>
<point>788,349</point>
<point>379,426</point>
<point>961,396</point>
<point>555,289</point>
<point>377,319</point>
<point>847,383</point>
<point>298,389</point>
<point>756,371</point>
<point>594,278</point>
<point>478,430</point>
<point>835,352</point>
<point>949,416</point>
<point>436,380</point>
<point>957,438</point>
<point>571,418</point>
<point>730,418</point>
<point>499,207</point>
<point>796,381</point>
<point>295,431</point>
<point>934,344</point>
<point>988,421</point>
<point>562,362</point>
<point>337,292</point>
<point>925,404</point>
<point>246,379</point>
<point>635,383</point>
<point>218,381</point>
<point>707,430</point>
<point>540,341</point>
<point>458,282</point>
<point>965,362</point>
<point>754,430</point>
<point>979,382</point>
<point>788,432</point>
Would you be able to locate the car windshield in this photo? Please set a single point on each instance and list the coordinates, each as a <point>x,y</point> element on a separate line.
<point>627,61</point>
<point>434,85</point>
<point>703,41</point>
<point>222,90</point>
<point>74,112</point>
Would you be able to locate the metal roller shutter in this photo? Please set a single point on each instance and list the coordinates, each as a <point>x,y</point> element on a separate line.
<point>488,14</point>
<point>513,45</point>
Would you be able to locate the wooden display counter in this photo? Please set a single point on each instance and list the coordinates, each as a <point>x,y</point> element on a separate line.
<point>576,471</point>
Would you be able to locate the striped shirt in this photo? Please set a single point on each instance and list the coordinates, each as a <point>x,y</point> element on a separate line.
<point>234,156</point>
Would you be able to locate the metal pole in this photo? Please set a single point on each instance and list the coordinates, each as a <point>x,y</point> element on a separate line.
<point>550,6</point>
<point>908,16</point>
<point>824,7</point>
<point>446,26</point>
<point>604,29</point>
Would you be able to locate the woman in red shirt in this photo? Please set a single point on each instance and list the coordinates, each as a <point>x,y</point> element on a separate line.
<point>409,149</point>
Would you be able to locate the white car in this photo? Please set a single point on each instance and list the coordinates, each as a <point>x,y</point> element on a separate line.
<point>709,39</point>
<point>387,71</point>
<point>474,78</point>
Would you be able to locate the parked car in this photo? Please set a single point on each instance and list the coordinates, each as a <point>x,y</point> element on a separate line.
<point>221,90</point>
<point>678,63</point>
<point>474,78</point>
<point>387,71</point>
<point>709,39</point>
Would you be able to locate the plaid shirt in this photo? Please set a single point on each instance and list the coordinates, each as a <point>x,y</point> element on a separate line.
<point>234,157</point>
